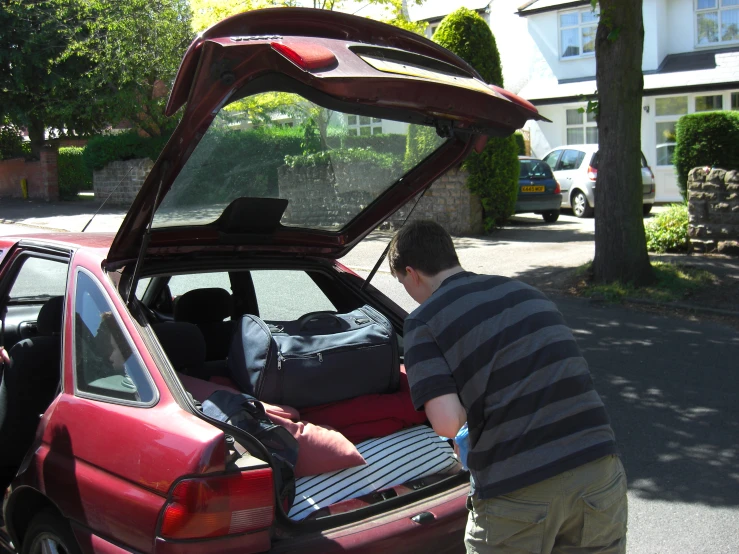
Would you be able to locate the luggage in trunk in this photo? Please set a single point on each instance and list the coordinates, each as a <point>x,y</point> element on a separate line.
<point>323,357</point>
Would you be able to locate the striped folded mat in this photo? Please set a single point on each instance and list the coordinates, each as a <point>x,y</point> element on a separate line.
<point>392,460</point>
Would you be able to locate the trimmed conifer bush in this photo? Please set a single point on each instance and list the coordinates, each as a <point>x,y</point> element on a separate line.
<point>74,176</point>
<point>493,173</point>
<point>705,139</point>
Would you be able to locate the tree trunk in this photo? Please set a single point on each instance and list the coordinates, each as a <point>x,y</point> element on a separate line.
<point>37,136</point>
<point>620,243</point>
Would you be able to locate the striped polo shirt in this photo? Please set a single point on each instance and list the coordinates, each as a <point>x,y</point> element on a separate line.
<point>505,349</point>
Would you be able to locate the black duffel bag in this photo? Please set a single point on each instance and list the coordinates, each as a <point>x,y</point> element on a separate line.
<point>322,357</point>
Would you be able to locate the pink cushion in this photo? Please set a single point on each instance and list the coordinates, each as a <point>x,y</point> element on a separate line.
<point>321,449</point>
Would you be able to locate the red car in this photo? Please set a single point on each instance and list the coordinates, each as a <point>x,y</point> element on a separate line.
<point>302,131</point>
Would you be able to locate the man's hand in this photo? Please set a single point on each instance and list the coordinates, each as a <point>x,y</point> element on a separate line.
<point>4,358</point>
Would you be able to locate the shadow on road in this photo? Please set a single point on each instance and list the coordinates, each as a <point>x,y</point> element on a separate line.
<point>672,390</point>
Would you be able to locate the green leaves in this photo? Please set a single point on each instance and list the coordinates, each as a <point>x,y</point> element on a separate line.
<point>668,231</point>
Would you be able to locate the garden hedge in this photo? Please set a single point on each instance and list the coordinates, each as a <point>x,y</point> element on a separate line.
<point>705,139</point>
<point>73,174</point>
<point>493,173</point>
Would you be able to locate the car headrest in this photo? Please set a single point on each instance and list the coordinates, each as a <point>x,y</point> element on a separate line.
<point>49,321</point>
<point>203,306</point>
<point>183,343</point>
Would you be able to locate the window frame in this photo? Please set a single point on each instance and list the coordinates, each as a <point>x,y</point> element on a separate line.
<point>726,98</point>
<point>585,125</point>
<point>580,26</point>
<point>718,9</point>
<point>358,126</point>
<point>131,343</point>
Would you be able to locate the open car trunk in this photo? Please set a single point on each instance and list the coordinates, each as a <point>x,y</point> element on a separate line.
<point>405,461</point>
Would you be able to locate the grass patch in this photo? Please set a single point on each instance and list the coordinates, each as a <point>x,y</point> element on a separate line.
<point>674,283</point>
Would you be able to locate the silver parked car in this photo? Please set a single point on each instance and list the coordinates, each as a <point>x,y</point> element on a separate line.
<point>575,167</point>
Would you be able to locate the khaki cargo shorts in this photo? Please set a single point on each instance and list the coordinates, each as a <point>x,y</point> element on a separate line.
<point>583,510</point>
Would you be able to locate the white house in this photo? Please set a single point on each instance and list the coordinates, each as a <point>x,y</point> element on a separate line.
<point>690,64</point>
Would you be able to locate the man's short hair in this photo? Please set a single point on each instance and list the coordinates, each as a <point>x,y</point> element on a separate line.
<point>423,245</point>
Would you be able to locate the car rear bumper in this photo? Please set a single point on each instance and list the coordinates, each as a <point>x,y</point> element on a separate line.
<point>538,204</point>
<point>395,532</point>
<point>649,197</point>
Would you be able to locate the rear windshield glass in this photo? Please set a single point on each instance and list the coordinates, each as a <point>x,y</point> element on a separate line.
<point>534,169</point>
<point>594,161</point>
<point>327,164</point>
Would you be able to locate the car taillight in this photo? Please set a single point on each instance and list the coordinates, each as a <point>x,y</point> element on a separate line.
<point>592,173</point>
<point>220,505</point>
<point>306,55</point>
<point>558,189</point>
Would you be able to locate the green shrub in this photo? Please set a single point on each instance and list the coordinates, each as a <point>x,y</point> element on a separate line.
<point>390,144</point>
<point>11,142</point>
<point>493,173</point>
<point>668,231</point>
<point>346,156</point>
<point>520,143</point>
<point>74,176</point>
<point>705,139</point>
<point>103,149</point>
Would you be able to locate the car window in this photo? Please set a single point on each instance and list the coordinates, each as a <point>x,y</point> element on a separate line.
<point>180,284</point>
<point>571,159</point>
<point>551,159</point>
<point>39,278</point>
<point>106,363</point>
<point>534,169</point>
<point>287,295</point>
<point>594,161</point>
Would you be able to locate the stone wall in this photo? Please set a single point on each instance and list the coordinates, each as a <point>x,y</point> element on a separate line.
<point>449,202</point>
<point>124,179</point>
<point>41,177</point>
<point>326,198</point>
<point>713,205</point>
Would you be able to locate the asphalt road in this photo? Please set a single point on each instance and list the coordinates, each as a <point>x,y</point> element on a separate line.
<point>671,385</point>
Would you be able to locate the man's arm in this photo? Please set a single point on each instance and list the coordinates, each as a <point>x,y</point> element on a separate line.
<point>446,414</point>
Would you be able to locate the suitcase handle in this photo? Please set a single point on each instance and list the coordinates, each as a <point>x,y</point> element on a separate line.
<point>318,317</point>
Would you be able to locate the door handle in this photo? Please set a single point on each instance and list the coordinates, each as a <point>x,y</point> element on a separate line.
<point>424,518</point>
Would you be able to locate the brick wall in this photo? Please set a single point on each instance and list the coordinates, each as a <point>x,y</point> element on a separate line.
<point>713,205</point>
<point>124,178</point>
<point>41,177</point>
<point>324,199</point>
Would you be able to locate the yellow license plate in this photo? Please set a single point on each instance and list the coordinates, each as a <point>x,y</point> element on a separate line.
<point>532,189</point>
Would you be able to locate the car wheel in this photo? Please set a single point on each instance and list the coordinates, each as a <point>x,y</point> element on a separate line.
<point>580,205</point>
<point>551,216</point>
<point>646,208</point>
<point>49,534</point>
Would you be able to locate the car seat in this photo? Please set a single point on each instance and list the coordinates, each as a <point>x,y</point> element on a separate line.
<point>208,309</point>
<point>28,387</point>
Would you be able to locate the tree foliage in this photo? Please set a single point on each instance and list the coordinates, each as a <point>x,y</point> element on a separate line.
<point>136,47</point>
<point>493,173</point>
<point>75,66</point>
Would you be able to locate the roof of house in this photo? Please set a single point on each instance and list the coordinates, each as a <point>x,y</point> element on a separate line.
<point>538,6</point>
<point>678,73</point>
<point>438,9</point>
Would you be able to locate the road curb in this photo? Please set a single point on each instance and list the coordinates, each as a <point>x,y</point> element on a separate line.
<point>32,226</point>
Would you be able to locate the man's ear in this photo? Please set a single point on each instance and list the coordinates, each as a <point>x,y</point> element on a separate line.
<point>414,275</point>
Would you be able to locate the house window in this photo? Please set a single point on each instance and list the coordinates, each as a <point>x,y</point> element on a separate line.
<point>667,111</point>
<point>577,33</point>
<point>363,125</point>
<point>709,103</point>
<point>717,21</point>
<point>581,127</point>
<point>735,100</point>
<point>432,29</point>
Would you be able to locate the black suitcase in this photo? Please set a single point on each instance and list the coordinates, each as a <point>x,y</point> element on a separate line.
<point>323,357</point>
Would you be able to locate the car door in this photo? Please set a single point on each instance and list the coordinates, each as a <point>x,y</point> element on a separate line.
<point>552,160</point>
<point>566,172</point>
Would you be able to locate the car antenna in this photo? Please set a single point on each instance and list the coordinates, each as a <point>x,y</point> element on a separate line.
<point>384,252</point>
<point>109,195</point>
<point>147,236</point>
